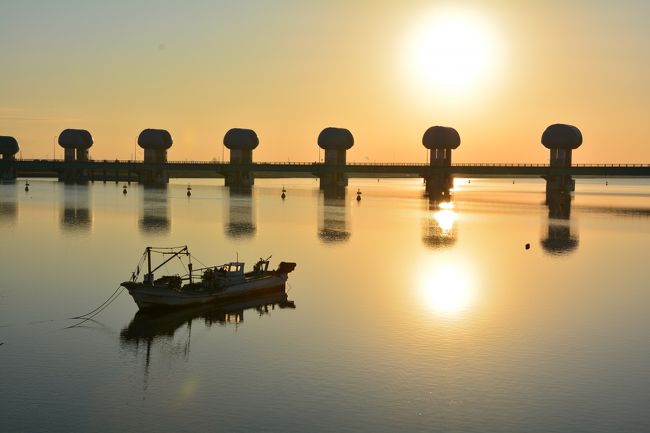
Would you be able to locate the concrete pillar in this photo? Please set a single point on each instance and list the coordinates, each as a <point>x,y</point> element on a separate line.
<point>69,155</point>
<point>8,149</point>
<point>335,142</point>
<point>561,140</point>
<point>440,140</point>
<point>75,143</point>
<point>82,154</point>
<point>240,142</point>
<point>438,186</point>
<point>155,143</point>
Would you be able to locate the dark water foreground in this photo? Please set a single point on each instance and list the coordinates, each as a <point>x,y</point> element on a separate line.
<point>402,315</point>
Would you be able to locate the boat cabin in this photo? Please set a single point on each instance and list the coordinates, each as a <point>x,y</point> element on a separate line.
<point>231,269</point>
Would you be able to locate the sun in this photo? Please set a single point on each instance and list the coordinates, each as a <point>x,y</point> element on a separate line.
<point>451,51</point>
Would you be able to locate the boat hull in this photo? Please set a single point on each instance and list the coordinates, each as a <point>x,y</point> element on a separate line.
<point>148,296</point>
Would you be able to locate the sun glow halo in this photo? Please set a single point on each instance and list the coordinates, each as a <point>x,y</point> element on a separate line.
<point>451,51</point>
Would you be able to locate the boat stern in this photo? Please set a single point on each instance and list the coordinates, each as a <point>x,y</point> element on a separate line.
<point>285,268</point>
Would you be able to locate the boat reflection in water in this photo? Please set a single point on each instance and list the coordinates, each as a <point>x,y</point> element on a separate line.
<point>333,221</point>
<point>8,201</point>
<point>76,213</point>
<point>155,210</point>
<point>149,327</point>
<point>560,239</point>
<point>240,223</point>
<point>439,227</point>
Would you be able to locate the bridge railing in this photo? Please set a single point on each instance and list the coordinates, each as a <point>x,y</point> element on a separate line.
<point>352,164</point>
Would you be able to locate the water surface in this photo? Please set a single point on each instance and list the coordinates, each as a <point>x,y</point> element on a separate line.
<point>403,314</point>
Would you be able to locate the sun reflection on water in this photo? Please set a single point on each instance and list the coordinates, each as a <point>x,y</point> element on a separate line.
<point>448,288</point>
<point>445,217</point>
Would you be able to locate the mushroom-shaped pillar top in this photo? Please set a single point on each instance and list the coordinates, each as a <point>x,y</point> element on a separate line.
<point>241,139</point>
<point>335,138</point>
<point>75,139</point>
<point>561,136</point>
<point>158,139</point>
<point>8,145</point>
<point>441,137</point>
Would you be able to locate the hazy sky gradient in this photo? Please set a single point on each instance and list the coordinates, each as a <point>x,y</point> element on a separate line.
<point>290,68</point>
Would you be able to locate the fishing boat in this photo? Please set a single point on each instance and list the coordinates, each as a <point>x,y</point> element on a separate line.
<point>201,285</point>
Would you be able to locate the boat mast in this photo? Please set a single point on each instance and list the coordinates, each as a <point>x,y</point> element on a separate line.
<point>189,267</point>
<point>149,263</point>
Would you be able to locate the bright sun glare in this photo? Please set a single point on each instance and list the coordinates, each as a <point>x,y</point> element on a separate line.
<point>451,51</point>
<point>448,289</point>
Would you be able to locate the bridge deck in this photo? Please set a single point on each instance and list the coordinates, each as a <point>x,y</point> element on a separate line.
<point>203,169</point>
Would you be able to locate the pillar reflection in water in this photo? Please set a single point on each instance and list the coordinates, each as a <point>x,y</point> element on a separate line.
<point>76,213</point>
<point>8,201</point>
<point>333,221</point>
<point>155,210</point>
<point>559,239</point>
<point>240,222</point>
<point>439,228</point>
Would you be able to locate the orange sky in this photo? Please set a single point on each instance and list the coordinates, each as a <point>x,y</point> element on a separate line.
<point>290,68</point>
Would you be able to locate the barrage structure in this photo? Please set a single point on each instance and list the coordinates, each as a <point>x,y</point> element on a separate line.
<point>333,172</point>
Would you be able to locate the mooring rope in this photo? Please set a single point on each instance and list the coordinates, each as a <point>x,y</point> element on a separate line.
<point>89,315</point>
<point>83,316</point>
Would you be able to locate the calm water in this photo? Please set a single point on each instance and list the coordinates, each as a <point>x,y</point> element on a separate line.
<point>406,316</point>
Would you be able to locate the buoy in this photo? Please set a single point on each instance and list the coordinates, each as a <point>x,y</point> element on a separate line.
<point>358,194</point>
<point>513,181</point>
<point>527,246</point>
<point>124,191</point>
<point>189,190</point>
<point>284,195</point>
<point>27,185</point>
<point>606,183</point>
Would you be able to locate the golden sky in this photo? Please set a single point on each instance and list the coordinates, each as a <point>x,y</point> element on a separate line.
<point>497,71</point>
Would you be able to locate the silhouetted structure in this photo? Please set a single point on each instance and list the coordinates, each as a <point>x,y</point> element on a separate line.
<point>155,210</point>
<point>241,143</point>
<point>333,173</point>
<point>155,143</point>
<point>561,140</point>
<point>333,221</point>
<point>335,142</point>
<point>559,239</point>
<point>240,223</point>
<point>75,143</point>
<point>76,214</point>
<point>8,150</point>
<point>440,140</point>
